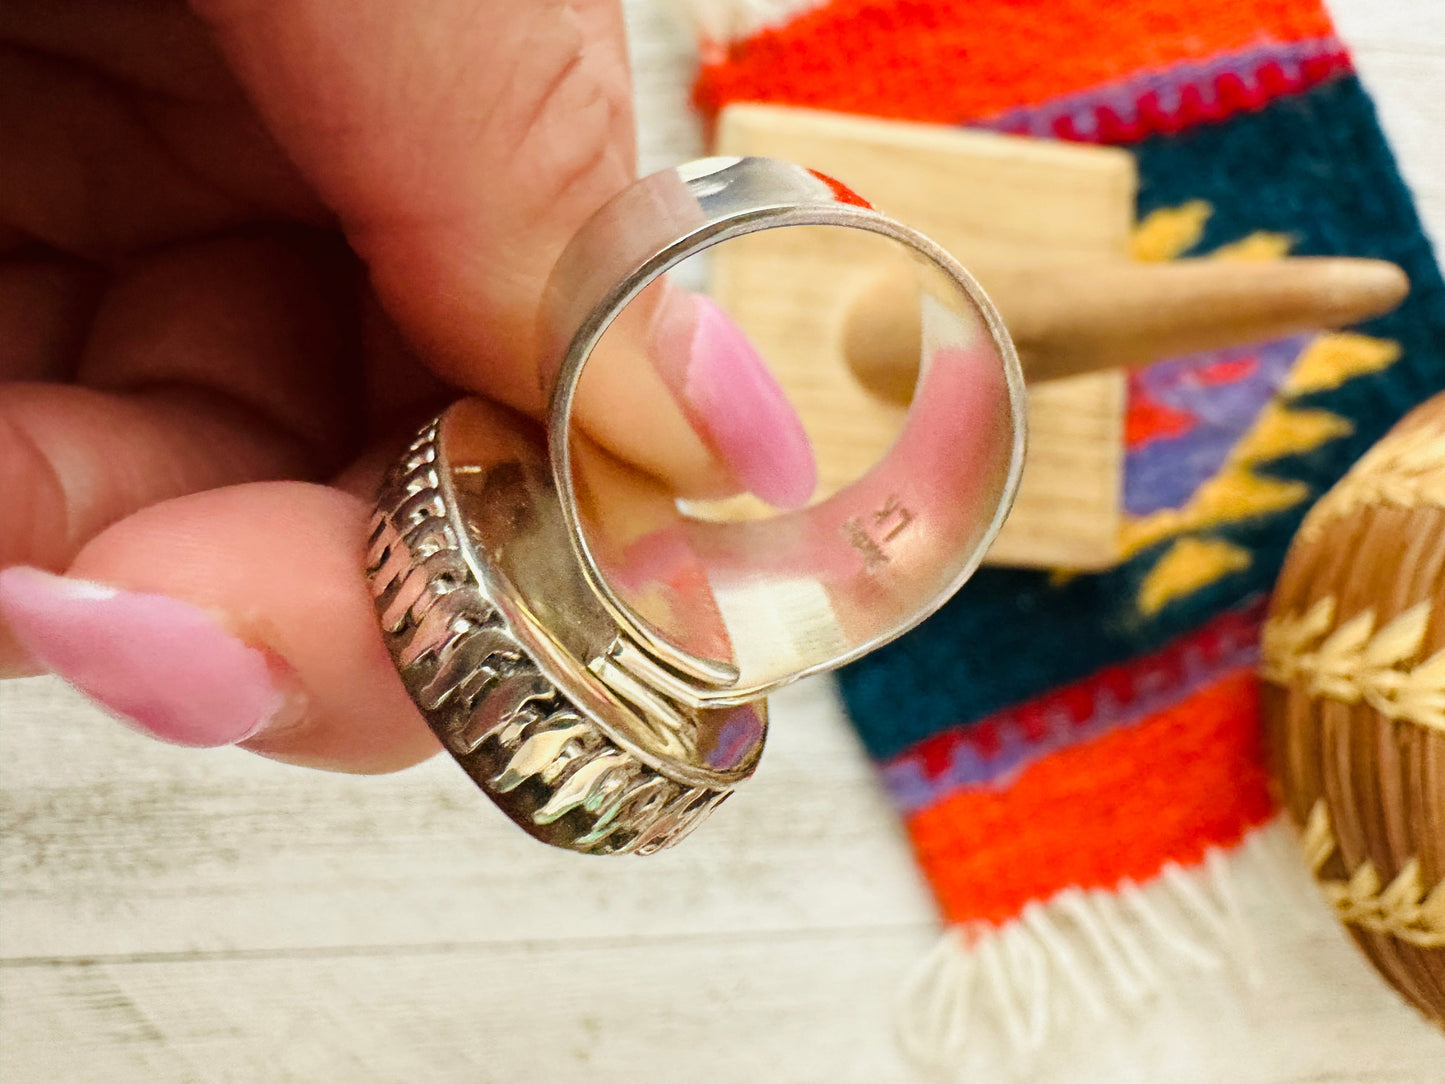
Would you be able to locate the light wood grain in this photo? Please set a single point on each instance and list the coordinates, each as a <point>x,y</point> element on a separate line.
<point>798,1005</point>
<point>987,199</point>
<point>204,843</point>
<point>167,915</point>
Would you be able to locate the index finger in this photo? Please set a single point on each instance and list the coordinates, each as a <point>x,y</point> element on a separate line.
<point>462,145</point>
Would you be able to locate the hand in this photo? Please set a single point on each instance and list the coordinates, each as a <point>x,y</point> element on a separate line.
<point>244,249</point>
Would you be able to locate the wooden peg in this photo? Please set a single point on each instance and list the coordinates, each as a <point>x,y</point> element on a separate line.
<point>1080,316</point>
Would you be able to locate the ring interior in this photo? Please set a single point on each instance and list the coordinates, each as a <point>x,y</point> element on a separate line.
<point>809,589</point>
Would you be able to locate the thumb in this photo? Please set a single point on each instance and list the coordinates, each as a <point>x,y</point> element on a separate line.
<point>255,628</point>
<point>461,145</point>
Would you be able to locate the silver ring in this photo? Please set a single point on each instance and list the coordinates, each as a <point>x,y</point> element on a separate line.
<point>579,690</point>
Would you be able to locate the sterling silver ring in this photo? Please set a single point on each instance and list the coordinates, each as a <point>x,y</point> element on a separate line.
<point>607,706</point>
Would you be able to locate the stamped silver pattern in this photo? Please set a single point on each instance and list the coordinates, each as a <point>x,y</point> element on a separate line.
<point>552,769</point>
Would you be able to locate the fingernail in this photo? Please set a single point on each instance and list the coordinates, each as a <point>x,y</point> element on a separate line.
<point>731,398</point>
<point>164,665</point>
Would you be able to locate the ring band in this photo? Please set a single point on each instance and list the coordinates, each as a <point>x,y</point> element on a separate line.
<point>532,642</point>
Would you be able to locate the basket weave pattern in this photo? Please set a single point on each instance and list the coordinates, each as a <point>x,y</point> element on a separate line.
<point>1354,701</point>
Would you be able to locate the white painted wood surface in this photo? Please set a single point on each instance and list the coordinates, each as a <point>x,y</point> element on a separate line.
<point>167,915</point>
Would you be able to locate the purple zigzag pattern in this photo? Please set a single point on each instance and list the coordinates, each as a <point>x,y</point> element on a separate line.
<point>1164,101</point>
<point>1166,472</point>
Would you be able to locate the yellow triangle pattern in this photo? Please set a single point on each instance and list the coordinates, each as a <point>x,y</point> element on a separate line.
<point>1170,232</point>
<point>1281,430</point>
<point>1261,245</point>
<point>1235,493</point>
<point>1187,566</point>
<point>1337,356</point>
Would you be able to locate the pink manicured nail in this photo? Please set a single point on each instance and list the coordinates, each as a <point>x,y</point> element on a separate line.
<point>731,398</point>
<point>167,666</point>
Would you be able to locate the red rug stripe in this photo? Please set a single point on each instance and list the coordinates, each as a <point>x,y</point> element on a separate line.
<point>925,60</point>
<point>1166,789</point>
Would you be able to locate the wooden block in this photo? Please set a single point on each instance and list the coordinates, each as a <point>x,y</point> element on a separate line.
<point>986,198</point>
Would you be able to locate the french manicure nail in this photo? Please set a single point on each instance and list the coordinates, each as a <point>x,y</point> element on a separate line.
<point>731,398</point>
<point>167,666</point>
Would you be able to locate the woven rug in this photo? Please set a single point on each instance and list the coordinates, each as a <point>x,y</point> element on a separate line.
<point>1079,763</point>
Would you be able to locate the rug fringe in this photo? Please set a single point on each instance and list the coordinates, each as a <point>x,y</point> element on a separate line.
<point>1096,956</point>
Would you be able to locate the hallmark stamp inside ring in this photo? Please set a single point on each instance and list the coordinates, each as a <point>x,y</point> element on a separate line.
<point>604,702</point>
